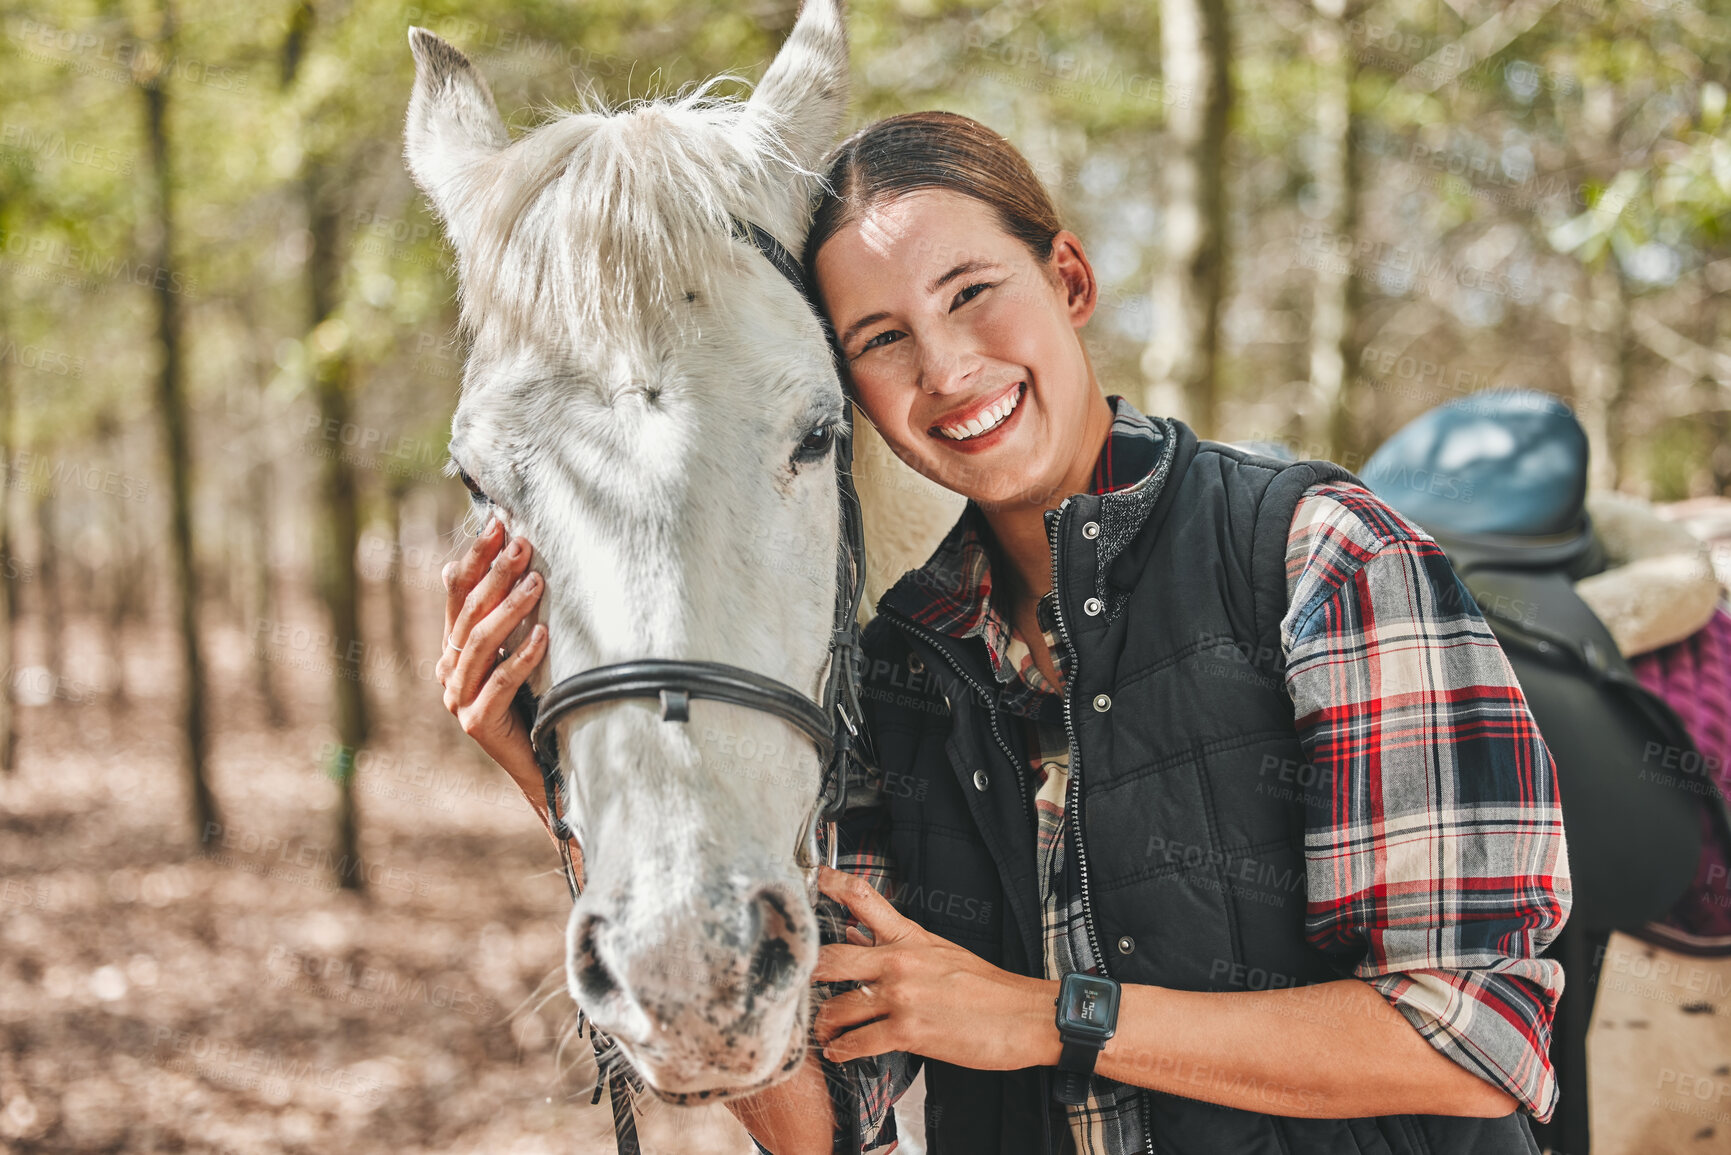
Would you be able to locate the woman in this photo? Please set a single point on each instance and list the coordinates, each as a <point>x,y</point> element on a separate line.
<point>1214,750</point>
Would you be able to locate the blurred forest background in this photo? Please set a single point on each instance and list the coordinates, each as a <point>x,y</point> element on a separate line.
<point>228,790</point>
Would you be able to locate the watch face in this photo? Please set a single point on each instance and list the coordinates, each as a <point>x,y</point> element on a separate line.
<point>1088,1005</point>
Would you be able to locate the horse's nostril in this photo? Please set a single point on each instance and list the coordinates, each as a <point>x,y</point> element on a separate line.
<point>772,964</point>
<point>773,959</point>
<point>593,977</point>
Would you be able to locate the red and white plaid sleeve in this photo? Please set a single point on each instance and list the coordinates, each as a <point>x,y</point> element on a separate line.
<point>1435,859</point>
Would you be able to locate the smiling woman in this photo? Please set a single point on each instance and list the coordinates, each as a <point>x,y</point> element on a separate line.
<point>1155,937</point>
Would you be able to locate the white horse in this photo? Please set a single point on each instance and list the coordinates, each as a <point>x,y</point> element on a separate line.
<point>653,406</point>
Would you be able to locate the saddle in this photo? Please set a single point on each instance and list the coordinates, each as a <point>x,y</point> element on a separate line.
<point>1499,480</point>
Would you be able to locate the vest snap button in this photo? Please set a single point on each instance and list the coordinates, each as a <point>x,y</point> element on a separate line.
<point>981,780</point>
<point>1102,702</point>
<point>1092,607</point>
<point>1126,945</point>
<point>1090,529</point>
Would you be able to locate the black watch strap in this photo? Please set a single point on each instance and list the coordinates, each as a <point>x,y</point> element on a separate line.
<point>1075,1071</point>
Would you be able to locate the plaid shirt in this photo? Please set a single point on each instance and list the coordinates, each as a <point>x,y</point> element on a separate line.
<point>1436,867</point>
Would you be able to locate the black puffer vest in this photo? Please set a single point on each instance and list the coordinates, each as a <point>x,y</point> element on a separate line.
<point>1190,815</point>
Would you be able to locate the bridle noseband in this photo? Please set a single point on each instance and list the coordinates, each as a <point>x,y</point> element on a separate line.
<point>833,724</point>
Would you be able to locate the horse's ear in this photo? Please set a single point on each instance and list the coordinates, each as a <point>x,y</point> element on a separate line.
<point>453,127</point>
<point>805,90</point>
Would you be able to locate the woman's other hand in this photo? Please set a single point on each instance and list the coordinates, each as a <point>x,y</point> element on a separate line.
<point>489,591</point>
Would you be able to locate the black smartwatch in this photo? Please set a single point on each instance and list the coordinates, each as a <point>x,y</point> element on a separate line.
<point>1087,1017</point>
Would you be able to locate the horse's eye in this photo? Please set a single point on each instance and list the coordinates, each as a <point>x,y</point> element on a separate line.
<point>474,490</point>
<point>816,443</point>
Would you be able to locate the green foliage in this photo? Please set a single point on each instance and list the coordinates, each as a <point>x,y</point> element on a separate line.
<point>1599,133</point>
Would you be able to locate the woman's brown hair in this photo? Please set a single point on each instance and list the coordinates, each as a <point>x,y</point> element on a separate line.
<point>932,150</point>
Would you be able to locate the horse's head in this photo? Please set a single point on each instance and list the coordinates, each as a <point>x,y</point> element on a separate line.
<point>655,408</point>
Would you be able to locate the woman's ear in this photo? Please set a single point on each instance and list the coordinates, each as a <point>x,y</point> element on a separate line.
<point>1075,276</point>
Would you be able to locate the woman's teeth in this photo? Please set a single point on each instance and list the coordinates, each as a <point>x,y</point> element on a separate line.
<point>987,421</point>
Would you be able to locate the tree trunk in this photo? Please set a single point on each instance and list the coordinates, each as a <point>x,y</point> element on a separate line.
<point>114,603</point>
<point>172,412</point>
<point>50,588</point>
<point>339,514</point>
<point>1715,414</point>
<point>8,562</point>
<point>1334,352</point>
<point>396,592</point>
<point>113,572</point>
<point>261,587</point>
<point>1180,360</point>
<point>1599,370</point>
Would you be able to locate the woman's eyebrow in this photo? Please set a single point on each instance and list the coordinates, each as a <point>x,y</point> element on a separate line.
<point>966,267</point>
<point>871,319</point>
<point>961,270</point>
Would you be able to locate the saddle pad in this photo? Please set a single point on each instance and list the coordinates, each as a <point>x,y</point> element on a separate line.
<point>1694,677</point>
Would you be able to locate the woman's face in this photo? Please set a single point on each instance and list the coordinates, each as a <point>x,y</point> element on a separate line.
<point>947,323</point>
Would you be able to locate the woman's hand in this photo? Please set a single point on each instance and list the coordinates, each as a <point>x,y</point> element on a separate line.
<point>925,995</point>
<point>489,592</point>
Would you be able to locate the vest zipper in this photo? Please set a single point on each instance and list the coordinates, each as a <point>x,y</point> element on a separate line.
<point>931,638</point>
<point>1072,806</point>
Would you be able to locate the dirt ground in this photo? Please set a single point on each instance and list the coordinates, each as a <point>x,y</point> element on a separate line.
<point>153,999</point>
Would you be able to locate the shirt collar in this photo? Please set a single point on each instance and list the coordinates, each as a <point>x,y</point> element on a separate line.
<point>952,592</point>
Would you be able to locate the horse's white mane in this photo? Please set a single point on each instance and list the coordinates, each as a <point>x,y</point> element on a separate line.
<point>604,217</point>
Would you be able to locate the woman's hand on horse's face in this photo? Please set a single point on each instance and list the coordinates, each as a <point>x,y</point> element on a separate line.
<point>489,591</point>
<point>925,995</point>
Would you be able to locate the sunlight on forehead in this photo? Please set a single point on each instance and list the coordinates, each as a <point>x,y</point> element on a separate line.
<point>883,226</point>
